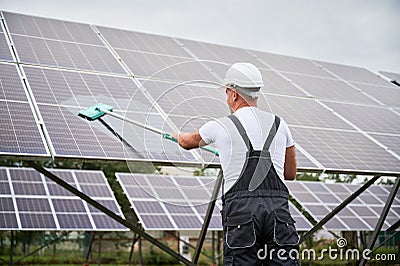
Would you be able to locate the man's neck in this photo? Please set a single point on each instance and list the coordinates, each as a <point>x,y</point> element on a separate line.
<point>244,104</point>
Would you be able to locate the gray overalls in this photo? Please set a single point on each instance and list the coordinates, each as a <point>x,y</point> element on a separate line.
<point>256,218</point>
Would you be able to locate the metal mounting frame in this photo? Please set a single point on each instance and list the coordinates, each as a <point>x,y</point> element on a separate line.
<point>109,213</point>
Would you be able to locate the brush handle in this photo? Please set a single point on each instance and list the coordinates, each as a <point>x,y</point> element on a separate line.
<point>209,149</point>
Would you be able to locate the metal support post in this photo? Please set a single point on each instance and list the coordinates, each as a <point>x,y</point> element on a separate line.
<point>338,208</point>
<point>135,239</point>
<point>11,247</point>
<point>109,213</point>
<point>207,218</point>
<point>99,250</point>
<point>92,236</point>
<point>382,217</point>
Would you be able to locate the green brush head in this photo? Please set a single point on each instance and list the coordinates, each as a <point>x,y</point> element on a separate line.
<point>93,112</point>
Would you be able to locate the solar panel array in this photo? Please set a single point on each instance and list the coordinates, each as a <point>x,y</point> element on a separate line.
<point>335,112</point>
<point>30,201</point>
<point>178,202</point>
<point>362,214</point>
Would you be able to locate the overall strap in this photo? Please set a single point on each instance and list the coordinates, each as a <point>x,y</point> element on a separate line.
<point>272,134</point>
<point>242,131</point>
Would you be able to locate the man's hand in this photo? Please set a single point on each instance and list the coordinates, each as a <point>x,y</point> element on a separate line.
<point>290,167</point>
<point>189,140</point>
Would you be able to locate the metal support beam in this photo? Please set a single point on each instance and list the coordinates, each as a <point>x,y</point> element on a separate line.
<point>382,217</point>
<point>110,213</point>
<point>394,226</point>
<point>207,218</point>
<point>338,209</point>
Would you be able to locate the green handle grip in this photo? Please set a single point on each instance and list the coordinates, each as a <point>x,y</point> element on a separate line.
<point>209,149</point>
<point>168,136</point>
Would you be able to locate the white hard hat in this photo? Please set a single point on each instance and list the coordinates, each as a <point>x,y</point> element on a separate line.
<point>246,77</point>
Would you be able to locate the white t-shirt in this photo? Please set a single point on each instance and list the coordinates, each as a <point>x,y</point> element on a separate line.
<point>231,147</point>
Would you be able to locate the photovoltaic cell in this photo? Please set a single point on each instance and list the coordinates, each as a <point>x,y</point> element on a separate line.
<point>72,136</point>
<point>21,135</point>
<point>275,84</point>
<point>144,42</point>
<point>361,214</point>
<point>368,118</point>
<point>304,112</point>
<point>57,43</point>
<point>330,89</point>
<point>341,149</point>
<point>184,212</point>
<point>5,54</point>
<point>392,142</point>
<point>386,95</point>
<point>41,207</point>
<point>56,53</point>
<point>290,64</point>
<point>165,67</point>
<point>51,28</point>
<point>351,73</point>
<point>219,53</point>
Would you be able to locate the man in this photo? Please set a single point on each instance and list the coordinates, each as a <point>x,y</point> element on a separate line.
<point>256,152</point>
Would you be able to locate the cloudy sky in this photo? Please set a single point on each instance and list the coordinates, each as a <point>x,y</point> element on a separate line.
<point>354,32</point>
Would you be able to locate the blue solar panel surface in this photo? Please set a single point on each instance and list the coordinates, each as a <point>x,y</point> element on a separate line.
<point>30,201</point>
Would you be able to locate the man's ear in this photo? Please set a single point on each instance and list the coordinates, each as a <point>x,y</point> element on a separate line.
<point>235,95</point>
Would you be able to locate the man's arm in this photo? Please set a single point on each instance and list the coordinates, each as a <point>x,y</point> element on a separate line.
<point>290,166</point>
<point>190,140</point>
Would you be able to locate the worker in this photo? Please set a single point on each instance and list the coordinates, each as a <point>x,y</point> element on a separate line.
<point>256,151</point>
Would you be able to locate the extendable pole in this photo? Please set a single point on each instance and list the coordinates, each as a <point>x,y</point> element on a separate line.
<point>338,208</point>
<point>207,218</point>
<point>152,129</point>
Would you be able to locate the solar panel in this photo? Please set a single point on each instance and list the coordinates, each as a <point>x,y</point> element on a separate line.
<point>5,54</point>
<point>391,75</point>
<point>304,112</point>
<point>341,149</point>
<point>32,202</point>
<point>72,136</point>
<point>386,95</point>
<point>56,43</point>
<point>22,135</point>
<point>330,89</point>
<point>290,64</point>
<point>362,213</point>
<point>70,66</point>
<point>220,53</point>
<point>368,118</point>
<point>352,73</point>
<point>144,42</point>
<point>177,203</point>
